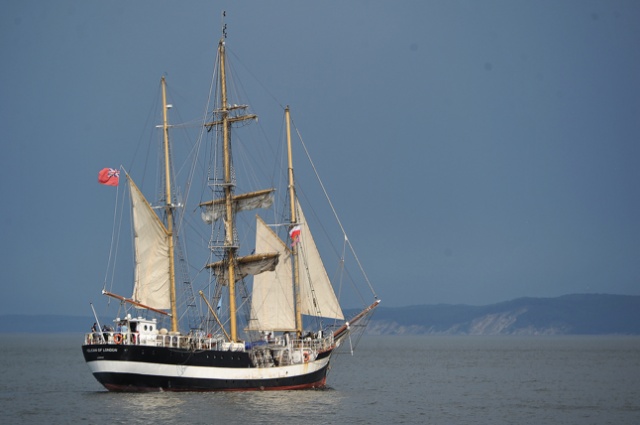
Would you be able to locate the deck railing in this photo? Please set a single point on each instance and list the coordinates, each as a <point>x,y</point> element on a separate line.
<point>205,342</point>
<point>157,340</point>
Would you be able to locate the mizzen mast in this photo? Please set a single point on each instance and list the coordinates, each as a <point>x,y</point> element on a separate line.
<point>169,208</point>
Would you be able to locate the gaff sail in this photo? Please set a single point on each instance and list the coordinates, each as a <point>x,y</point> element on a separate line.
<point>151,244</point>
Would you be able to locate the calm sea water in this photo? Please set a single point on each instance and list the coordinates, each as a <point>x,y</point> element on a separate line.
<point>411,380</point>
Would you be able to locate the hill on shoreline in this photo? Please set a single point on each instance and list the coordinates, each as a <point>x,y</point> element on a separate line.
<point>578,314</point>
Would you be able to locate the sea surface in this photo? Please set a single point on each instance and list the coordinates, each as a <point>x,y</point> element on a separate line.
<point>389,380</point>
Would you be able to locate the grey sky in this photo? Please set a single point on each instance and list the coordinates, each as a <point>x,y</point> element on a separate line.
<point>489,149</point>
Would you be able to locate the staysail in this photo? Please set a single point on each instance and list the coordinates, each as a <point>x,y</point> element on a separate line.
<point>272,305</point>
<point>151,243</point>
<point>316,293</point>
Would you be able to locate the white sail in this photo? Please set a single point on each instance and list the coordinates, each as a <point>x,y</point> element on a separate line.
<point>214,210</point>
<point>272,305</point>
<point>317,295</point>
<point>151,242</point>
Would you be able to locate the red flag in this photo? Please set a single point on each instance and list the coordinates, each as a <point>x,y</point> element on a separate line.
<point>294,234</point>
<point>109,176</point>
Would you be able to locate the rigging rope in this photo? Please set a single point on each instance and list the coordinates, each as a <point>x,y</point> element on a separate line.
<point>335,214</point>
<point>113,231</point>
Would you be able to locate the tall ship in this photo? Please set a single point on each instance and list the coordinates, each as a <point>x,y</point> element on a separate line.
<point>261,312</point>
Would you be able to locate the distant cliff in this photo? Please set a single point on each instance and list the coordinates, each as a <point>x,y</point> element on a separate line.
<point>587,314</point>
<point>584,314</point>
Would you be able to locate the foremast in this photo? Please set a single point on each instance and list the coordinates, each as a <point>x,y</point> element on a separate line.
<point>294,248</point>
<point>296,222</point>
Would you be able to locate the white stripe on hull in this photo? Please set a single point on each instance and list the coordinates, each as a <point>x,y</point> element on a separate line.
<point>205,372</point>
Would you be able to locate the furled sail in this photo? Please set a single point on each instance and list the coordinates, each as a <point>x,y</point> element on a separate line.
<point>151,242</point>
<point>317,295</point>
<point>214,210</point>
<point>272,305</point>
<point>248,265</point>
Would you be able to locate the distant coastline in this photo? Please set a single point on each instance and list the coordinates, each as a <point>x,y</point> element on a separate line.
<point>577,314</point>
<point>44,323</point>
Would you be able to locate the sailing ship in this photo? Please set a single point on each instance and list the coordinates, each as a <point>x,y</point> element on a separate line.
<point>280,284</point>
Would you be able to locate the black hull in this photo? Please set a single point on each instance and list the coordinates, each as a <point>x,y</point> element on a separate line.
<point>145,383</point>
<point>142,368</point>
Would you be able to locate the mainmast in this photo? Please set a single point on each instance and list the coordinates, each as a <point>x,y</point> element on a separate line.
<point>292,197</point>
<point>169,208</point>
<point>233,267</point>
<point>227,118</point>
<point>228,196</point>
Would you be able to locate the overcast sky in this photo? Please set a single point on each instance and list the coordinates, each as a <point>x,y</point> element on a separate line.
<point>490,149</point>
